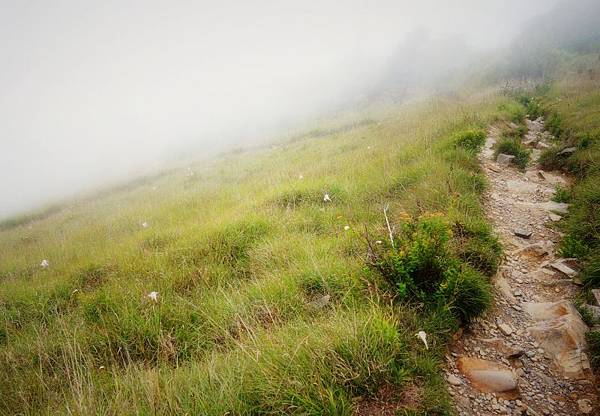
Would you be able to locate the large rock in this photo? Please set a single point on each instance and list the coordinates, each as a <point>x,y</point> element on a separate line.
<point>521,187</point>
<point>504,159</point>
<point>567,151</point>
<point>539,249</point>
<point>563,267</point>
<point>560,207</point>
<point>561,332</point>
<point>489,377</point>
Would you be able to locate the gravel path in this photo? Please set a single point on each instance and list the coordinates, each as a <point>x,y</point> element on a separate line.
<point>527,355</point>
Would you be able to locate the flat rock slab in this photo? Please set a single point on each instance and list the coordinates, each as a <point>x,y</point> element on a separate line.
<point>523,233</point>
<point>539,249</point>
<point>568,151</point>
<point>521,186</point>
<point>548,177</point>
<point>560,207</point>
<point>561,333</point>
<point>489,377</point>
<point>563,268</point>
<point>554,217</point>
<point>504,159</point>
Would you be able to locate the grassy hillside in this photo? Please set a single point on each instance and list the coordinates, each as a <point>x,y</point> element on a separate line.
<point>270,299</point>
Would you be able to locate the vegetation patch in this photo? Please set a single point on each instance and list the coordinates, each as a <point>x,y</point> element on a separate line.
<point>248,292</point>
<point>421,267</point>
<point>513,146</point>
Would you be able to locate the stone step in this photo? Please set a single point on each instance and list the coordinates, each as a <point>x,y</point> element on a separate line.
<point>489,377</point>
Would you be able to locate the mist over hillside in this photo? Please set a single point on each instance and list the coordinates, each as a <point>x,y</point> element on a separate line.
<point>98,93</point>
<point>300,208</point>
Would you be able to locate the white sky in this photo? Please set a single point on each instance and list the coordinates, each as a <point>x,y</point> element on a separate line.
<point>92,91</point>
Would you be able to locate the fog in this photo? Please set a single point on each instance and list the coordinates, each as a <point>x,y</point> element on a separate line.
<point>95,92</point>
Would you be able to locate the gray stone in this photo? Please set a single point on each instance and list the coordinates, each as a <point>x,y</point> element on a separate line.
<point>567,151</point>
<point>452,379</point>
<point>563,268</point>
<point>520,232</point>
<point>542,145</point>
<point>560,207</point>
<point>554,217</point>
<point>504,159</point>
<point>505,328</point>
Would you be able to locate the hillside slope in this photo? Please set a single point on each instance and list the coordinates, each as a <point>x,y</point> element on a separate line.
<point>269,296</point>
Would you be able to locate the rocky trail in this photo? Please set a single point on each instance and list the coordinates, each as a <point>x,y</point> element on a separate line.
<point>527,355</point>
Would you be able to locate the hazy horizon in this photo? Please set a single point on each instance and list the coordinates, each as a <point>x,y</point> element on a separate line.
<point>97,92</point>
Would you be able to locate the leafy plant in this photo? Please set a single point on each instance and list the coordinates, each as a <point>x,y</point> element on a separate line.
<point>471,140</point>
<point>422,267</point>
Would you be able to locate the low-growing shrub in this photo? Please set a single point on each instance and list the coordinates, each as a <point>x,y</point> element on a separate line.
<point>471,140</point>
<point>422,267</point>
<point>512,146</point>
<point>583,223</point>
<point>417,266</point>
<point>466,293</point>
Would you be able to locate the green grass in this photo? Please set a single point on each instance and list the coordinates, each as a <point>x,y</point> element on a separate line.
<point>266,302</point>
<point>562,195</point>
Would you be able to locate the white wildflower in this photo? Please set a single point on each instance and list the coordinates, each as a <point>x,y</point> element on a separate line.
<point>45,264</point>
<point>144,224</point>
<point>326,198</point>
<point>301,176</point>
<point>153,296</point>
<point>347,227</point>
<point>423,336</point>
<point>378,242</point>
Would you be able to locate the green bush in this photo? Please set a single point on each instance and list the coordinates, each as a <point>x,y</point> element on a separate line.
<point>471,140</point>
<point>423,267</point>
<point>513,146</point>
<point>419,263</point>
<point>466,293</point>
